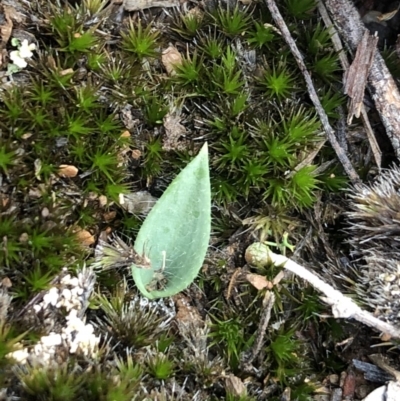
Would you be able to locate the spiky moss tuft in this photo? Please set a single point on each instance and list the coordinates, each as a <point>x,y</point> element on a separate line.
<point>56,119</point>
<point>374,239</point>
<point>258,133</point>
<point>374,214</point>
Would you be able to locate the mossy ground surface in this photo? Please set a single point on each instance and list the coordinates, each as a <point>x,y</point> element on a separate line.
<point>100,115</point>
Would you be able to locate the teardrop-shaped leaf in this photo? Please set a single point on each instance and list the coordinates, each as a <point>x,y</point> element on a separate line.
<point>176,233</point>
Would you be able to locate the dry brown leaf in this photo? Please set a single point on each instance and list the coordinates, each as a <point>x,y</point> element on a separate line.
<point>5,27</point>
<point>259,282</point>
<point>4,199</point>
<point>102,200</point>
<point>126,134</point>
<point>37,164</point>
<point>35,193</point>
<point>196,12</point>
<point>23,238</point>
<point>234,386</point>
<point>6,282</point>
<point>385,337</point>
<point>170,58</point>
<point>109,216</point>
<point>278,278</point>
<point>139,202</point>
<point>15,15</point>
<point>174,130</point>
<point>136,154</point>
<point>186,313</point>
<point>66,72</point>
<point>135,5</point>
<point>84,237</point>
<point>67,170</point>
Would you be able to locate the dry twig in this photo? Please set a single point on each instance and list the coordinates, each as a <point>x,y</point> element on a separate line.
<point>337,44</point>
<point>342,306</point>
<point>248,358</point>
<point>381,84</point>
<point>341,154</point>
<point>356,76</point>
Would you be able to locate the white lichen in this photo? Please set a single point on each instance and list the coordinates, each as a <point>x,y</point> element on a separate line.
<point>74,336</point>
<point>19,57</point>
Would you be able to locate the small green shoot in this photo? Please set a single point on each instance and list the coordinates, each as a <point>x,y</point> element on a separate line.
<point>303,185</point>
<point>86,98</point>
<point>131,325</point>
<point>278,83</point>
<point>228,60</point>
<point>56,384</point>
<point>280,151</point>
<point>283,245</point>
<point>239,104</point>
<point>77,125</point>
<point>331,100</point>
<point>153,157</point>
<point>310,305</point>
<point>69,31</point>
<point>96,60</point>
<point>9,340</point>
<point>188,25</point>
<point>301,9</point>
<point>230,83</point>
<point>115,70</point>
<point>81,42</point>
<point>262,35</point>
<point>7,159</point>
<point>326,67</point>
<point>189,71</point>
<point>212,46</point>
<point>285,350</point>
<point>253,172</point>
<point>105,163</point>
<point>233,22</point>
<point>301,127</point>
<point>160,367</point>
<point>13,102</point>
<point>318,39</point>
<point>228,334</point>
<point>42,94</point>
<point>234,150</point>
<point>140,41</point>
<point>38,280</point>
<point>155,110</point>
<point>129,369</point>
<point>333,180</point>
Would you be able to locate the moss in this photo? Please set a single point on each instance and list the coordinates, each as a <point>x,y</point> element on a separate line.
<point>240,90</point>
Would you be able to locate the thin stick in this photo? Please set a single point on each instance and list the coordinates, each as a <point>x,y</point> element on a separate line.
<point>337,44</point>
<point>248,358</point>
<point>341,154</point>
<point>382,86</point>
<point>342,306</point>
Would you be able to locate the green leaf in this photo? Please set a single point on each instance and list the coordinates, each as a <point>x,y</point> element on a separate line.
<point>176,232</point>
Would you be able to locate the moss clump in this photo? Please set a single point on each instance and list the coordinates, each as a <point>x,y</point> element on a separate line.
<point>96,98</point>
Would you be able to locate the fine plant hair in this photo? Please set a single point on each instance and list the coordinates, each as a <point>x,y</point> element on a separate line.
<point>374,240</point>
